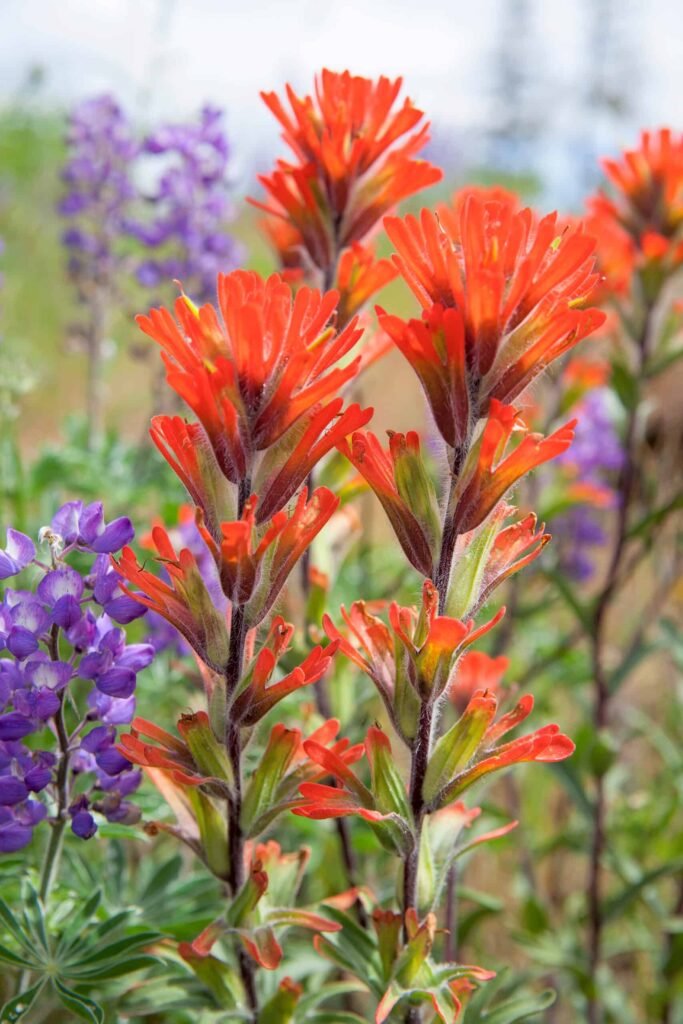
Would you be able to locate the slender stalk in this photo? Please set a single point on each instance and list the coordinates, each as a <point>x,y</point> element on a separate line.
<point>233,745</point>
<point>54,849</point>
<point>95,352</point>
<point>423,741</point>
<point>669,1007</point>
<point>598,639</point>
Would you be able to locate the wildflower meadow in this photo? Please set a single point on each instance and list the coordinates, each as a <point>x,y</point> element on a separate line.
<point>340,634</point>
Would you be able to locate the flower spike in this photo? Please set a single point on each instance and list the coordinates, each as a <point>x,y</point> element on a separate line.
<point>500,284</point>
<point>354,153</point>
<point>253,373</point>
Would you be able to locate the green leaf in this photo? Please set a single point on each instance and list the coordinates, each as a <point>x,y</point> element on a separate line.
<point>8,957</point>
<point>82,1006</point>
<point>625,384</point>
<point>655,518</point>
<point>14,926</point>
<point>79,919</point>
<point>115,950</point>
<point>115,970</point>
<point>36,918</point>
<point>328,991</point>
<point>566,592</point>
<point>615,906</point>
<point>335,1017</point>
<point>15,1008</point>
<point>521,1008</point>
<point>161,879</point>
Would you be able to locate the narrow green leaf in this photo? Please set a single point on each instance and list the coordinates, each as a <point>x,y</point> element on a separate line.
<point>521,1008</point>
<point>569,597</point>
<point>17,1007</point>
<point>36,916</point>
<point>115,970</point>
<point>8,957</point>
<point>14,926</point>
<point>617,904</point>
<point>161,879</point>
<point>117,949</point>
<point>78,920</point>
<point>82,1006</point>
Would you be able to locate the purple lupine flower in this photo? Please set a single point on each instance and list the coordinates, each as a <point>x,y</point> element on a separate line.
<point>594,458</point>
<point>18,553</point>
<point>186,234</point>
<point>99,188</point>
<point>65,629</point>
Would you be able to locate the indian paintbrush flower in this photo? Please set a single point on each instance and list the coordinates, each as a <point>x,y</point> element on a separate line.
<point>354,159</point>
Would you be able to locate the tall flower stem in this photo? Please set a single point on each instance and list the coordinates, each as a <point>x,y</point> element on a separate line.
<point>598,643</point>
<point>53,852</point>
<point>425,729</point>
<point>233,745</point>
<point>94,398</point>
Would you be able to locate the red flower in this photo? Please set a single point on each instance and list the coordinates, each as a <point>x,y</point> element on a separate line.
<point>254,570</point>
<point>480,756</point>
<point>354,160</point>
<point>254,698</point>
<point>359,276</point>
<point>187,449</point>
<point>269,366</point>
<point>414,656</point>
<point>194,760</point>
<point>407,497</point>
<point>435,348</point>
<point>384,805</point>
<point>476,671</point>
<point>185,602</point>
<point>516,287</point>
<point>488,474</point>
<point>649,185</point>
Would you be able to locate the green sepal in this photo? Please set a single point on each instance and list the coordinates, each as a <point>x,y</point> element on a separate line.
<point>212,832</point>
<point>456,748</point>
<point>261,794</point>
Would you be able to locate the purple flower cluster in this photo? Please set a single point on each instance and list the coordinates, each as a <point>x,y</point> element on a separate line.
<point>594,458</point>
<point>187,231</point>
<point>67,678</point>
<point>98,179</point>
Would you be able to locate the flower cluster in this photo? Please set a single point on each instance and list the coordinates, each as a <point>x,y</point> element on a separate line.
<point>504,293</point>
<point>99,188</point>
<point>67,678</point>
<point>354,159</point>
<point>638,223</point>
<point>190,207</point>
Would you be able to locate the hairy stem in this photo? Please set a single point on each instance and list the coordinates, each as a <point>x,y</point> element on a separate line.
<point>233,745</point>
<point>423,741</point>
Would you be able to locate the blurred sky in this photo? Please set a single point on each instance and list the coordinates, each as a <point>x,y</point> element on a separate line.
<point>585,72</point>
